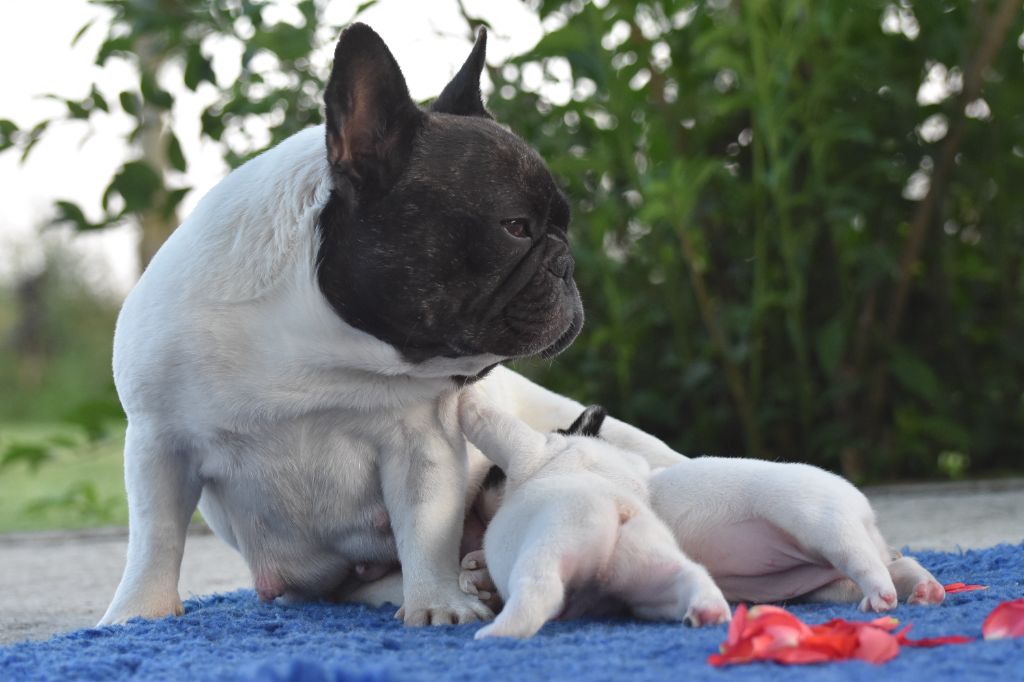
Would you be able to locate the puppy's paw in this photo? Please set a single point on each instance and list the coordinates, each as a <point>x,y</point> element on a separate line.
<point>928,592</point>
<point>711,609</point>
<point>475,578</point>
<point>448,607</point>
<point>508,627</point>
<point>878,601</point>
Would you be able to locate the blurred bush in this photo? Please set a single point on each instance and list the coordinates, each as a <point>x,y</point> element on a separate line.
<point>798,227</point>
<point>798,224</point>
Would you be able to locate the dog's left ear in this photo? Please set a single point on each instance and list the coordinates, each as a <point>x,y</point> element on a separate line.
<point>462,95</point>
<point>371,119</point>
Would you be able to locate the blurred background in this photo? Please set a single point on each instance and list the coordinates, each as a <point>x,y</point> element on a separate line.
<point>799,224</point>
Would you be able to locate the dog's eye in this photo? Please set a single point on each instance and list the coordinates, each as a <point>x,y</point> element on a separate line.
<point>517,227</point>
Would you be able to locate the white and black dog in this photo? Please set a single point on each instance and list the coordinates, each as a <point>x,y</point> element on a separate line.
<point>290,360</point>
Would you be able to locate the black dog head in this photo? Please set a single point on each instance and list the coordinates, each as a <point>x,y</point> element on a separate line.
<point>445,235</point>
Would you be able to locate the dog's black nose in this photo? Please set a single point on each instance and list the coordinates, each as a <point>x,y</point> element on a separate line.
<point>562,265</point>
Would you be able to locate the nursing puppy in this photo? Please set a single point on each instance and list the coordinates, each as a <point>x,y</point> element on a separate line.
<point>772,531</point>
<point>291,358</point>
<point>574,520</point>
<point>765,531</point>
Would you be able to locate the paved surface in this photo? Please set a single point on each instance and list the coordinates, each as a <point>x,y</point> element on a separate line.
<point>54,582</point>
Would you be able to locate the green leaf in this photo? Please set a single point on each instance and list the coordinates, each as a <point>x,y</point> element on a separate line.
<point>130,102</point>
<point>197,68</point>
<point>137,183</point>
<point>68,212</point>
<point>76,109</point>
<point>213,123</point>
<point>8,134</point>
<point>153,94</point>
<point>81,32</point>
<point>114,45</point>
<point>174,198</point>
<point>98,100</point>
<point>174,154</point>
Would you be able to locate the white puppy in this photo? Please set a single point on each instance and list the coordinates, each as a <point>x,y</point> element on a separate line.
<point>574,519</point>
<point>765,531</point>
<point>769,531</point>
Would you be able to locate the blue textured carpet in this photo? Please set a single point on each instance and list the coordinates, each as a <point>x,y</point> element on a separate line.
<point>235,637</point>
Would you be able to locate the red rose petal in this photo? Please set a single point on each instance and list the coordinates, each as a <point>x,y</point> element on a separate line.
<point>770,633</point>
<point>1006,620</point>
<point>902,638</point>
<point>954,588</point>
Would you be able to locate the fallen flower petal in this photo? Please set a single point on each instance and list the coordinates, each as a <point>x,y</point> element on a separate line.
<point>770,633</point>
<point>954,588</point>
<point>928,642</point>
<point>1006,620</point>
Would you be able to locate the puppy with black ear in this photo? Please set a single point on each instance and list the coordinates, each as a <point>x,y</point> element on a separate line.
<point>573,520</point>
<point>291,358</point>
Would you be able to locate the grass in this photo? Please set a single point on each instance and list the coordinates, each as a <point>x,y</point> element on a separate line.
<point>80,485</point>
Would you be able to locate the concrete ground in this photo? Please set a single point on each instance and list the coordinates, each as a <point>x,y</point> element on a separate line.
<point>55,582</point>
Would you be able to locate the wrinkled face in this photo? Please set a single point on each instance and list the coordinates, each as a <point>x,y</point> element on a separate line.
<point>467,253</point>
<point>452,244</point>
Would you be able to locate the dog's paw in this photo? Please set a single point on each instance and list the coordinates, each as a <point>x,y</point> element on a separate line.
<point>448,607</point>
<point>711,609</point>
<point>928,592</point>
<point>509,627</point>
<point>121,612</point>
<point>878,601</point>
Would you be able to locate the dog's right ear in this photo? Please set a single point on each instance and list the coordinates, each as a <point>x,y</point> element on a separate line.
<point>462,95</point>
<point>371,119</point>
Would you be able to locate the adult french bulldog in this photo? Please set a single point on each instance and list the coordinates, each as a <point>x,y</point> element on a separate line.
<point>574,529</point>
<point>291,358</point>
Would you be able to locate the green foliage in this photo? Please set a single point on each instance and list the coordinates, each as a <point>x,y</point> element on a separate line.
<point>782,252</point>
<point>740,174</point>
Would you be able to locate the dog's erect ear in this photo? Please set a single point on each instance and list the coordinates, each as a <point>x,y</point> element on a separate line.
<point>588,423</point>
<point>462,95</point>
<point>371,120</point>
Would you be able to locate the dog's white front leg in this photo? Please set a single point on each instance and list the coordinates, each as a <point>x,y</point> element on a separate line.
<point>163,490</point>
<point>424,492</point>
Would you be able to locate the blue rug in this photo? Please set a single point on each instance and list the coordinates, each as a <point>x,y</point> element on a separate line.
<point>235,637</point>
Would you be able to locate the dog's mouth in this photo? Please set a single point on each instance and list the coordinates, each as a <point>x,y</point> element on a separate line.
<point>567,337</point>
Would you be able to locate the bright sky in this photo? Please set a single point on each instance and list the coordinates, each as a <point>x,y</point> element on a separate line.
<point>428,39</point>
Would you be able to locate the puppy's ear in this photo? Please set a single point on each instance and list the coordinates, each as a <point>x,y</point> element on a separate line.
<point>462,95</point>
<point>588,423</point>
<point>371,120</point>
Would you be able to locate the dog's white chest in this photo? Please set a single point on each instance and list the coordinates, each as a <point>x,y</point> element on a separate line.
<point>301,499</point>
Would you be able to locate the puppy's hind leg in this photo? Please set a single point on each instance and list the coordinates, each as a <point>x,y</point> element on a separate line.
<point>857,551</point>
<point>914,584</point>
<point>163,489</point>
<point>651,574</point>
<point>537,596</point>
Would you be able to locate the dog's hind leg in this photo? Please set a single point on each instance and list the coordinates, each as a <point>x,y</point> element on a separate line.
<point>651,574</point>
<point>914,584</point>
<point>537,596</point>
<point>163,489</point>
